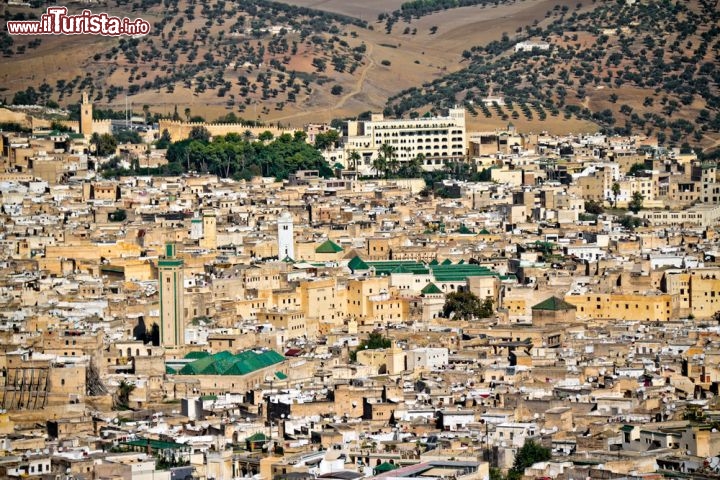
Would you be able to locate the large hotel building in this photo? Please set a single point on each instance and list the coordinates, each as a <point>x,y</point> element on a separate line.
<point>438,139</point>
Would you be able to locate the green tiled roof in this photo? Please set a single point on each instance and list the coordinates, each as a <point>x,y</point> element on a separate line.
<point>484,231</point>
<point>385,467</point>
<point>554,304</point>
<point>258,437</point>
<point>280,375</point>
<point>446,272</point>
<point>225,363</point>
<point>434,261</point>
<point>430,289</point>
<point>196,355</point>
<point>155,444</point>
<point>328,247</point>
<point>447,261</point>
<point>463,230</point>
<point>457,273</point>
<point>393,266</point>
<point>357,263</point>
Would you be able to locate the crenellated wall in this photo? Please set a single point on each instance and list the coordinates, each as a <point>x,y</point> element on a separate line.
<point>181,130</point>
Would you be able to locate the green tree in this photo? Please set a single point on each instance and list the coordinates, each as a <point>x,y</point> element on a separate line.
<point>354,159</point>
<point>122,395</point>
<point>389,153</point>
<point>265,136</point>
<point>200,133</point>
<point>496,474</point>
<point>629,222</point>
<point>105,144</point>
<point>636,204</point>
<point>616,192</point>
<point>379,164</point>
<point>164,141</point>
<point>529,454</point>
<point>593,207</point>
<point>374,341</point>
<point>636,168</point>
<point>326,140</point>
<point>466,305</point>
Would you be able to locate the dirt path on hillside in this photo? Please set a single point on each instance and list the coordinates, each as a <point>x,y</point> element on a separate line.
<point>341,102</point>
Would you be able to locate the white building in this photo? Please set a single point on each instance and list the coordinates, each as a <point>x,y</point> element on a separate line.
<point>530,46</point>
<point>427,358</point>
<point>286,241</point>
<point>438,139</point>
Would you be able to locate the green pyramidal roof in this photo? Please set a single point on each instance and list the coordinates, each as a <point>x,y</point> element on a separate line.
<point>554,304</point>
<point>434,262</point>
<point>357,263</point>
<point>328,247</point>
<point>464,230</point>
<point>225,363</point>
<point>430,289</point>
<point>447,261</point>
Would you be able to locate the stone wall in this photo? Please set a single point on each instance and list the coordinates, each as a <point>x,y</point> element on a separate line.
<point>181,130</point>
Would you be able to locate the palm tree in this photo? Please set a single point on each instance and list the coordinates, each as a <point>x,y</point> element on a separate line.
<point>353,159</point>
<point>616,192</point>
<point>414,166</point>
<point>123,394</point>
<point>379,164</point>
<point>389,153</point>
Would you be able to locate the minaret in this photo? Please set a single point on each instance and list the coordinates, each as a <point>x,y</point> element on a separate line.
<point>286,241</point>
<point>86,115</point>
<point>172,321</point>
<point>209,229</point>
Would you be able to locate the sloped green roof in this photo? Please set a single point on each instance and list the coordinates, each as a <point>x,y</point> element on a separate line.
<point>225,363</point>
<point>464,230</point>
<point>357,263</point>
<point>280,375</point>
<point>461,262</point>
<point>386,267</point>
<point>430,289</point>
<point>257,437</point>
<point>554,304</point>
<point>434,262</point>
<point>401,269</point>
<point>196,355</point>
<point>445,272</point>
<point>459,272</point>
<point>288,260</point>
<point>328,246</point>
<point>484,231</point>
<point>155,444</point>
<point>447,261</point>
<point>385,467</point>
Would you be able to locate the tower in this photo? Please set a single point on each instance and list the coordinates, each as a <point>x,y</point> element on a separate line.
<point>286,241</point>
<point>86,115</point>
<point>196,229</point>
<point>209,229</point>
<point>172,321</point>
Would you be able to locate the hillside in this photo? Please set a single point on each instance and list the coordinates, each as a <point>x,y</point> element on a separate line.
<point>250,58</point>
<point>211,68</point>
<point>646,67</point>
